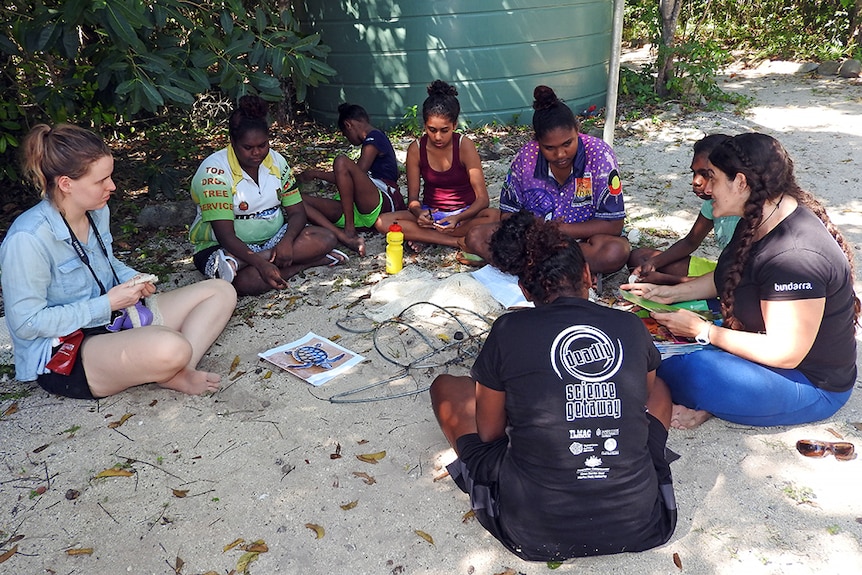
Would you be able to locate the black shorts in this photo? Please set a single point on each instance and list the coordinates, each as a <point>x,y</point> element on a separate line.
<point>200,258</point>
<point>75,384</point>
<point>477,470</point>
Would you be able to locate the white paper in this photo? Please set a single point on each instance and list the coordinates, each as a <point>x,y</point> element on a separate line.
<point>503,287</point>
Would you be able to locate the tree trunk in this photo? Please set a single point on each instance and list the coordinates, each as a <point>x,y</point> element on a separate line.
<point>855,28</point>
<point>669,12</point>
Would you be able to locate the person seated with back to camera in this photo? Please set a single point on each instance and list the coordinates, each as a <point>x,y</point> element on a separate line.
<point>454,198</point>
<point>60,276</point>
<point>251,227</point>
<point>560,429</point>
<point>569,177</point>
<point>786,351</point>
<point>676,264</point>
<point>367,187</point>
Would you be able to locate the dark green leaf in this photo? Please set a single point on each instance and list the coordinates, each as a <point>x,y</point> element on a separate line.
<point>120,26</point>
<point>226,22</point>
<point>177,95</point>
<point>260,20</point>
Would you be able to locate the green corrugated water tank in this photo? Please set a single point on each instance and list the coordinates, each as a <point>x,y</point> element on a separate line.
<point>494,52</point>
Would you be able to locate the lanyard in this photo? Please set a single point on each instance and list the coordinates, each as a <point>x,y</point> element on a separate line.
<point>79,249</point>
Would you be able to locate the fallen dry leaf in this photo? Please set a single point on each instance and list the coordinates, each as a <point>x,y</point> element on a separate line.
<point>368,479</point>
<point>80,551</point>
<point>178,565</point>
<point>268,374</point>
<point>8,554</point>
<point>424,536</point>
<point>114,472</point>
<point>11,409</point>
<point>237,375</point>
<point>443,475</point>
<point>232,544</point>
<point>180,492</point>
<point>234,364</point>
<point>364,441</point>
<point>443,337</point>
<point>349,506</point>
<point>371,457</point>
<point>154,402</point>
<point>258,546</point>
<point>41,448</point>
<point>468,516</point>
<point>245,560</point>
<point>121,421</point>
<point>337,454</point>
<point>508,571</point>
<point>835,433</point>
<point>335,337</point>
<point>677,561</point>
<point>318,530</point>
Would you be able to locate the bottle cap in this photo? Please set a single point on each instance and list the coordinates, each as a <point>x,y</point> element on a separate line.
<point>394,228</point>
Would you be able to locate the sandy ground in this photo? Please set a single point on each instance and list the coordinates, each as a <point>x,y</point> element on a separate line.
<point>257,461</point>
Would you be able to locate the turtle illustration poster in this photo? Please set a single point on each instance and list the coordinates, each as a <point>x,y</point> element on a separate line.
<point>312,358</point>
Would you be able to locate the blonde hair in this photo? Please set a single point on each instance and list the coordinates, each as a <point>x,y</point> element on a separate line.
<point>65,150</point>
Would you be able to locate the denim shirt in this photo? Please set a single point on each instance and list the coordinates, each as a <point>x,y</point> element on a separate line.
<point>48,292</point>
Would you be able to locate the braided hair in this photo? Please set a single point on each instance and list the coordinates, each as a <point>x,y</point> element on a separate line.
<point>550,113</point>
<point>249,116</point>
<point>547,262</point>
<point>768,170</point>
<point>442,101</point>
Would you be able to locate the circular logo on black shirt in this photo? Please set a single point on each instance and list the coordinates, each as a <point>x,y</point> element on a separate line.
<point>586,353</point>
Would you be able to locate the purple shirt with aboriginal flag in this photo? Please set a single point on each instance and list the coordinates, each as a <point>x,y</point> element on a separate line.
<point>593,190</point>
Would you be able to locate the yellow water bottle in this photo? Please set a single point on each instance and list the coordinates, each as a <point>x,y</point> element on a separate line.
<point>394,249</point>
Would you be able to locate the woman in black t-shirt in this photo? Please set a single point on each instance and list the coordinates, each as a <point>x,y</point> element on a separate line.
<point>561,429</point>
<point>787,349</point>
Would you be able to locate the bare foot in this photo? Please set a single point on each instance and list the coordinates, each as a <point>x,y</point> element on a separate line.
<point>357,244</point>
<point>417,247</point>
<point>685,418</point>
<point>193,382</point>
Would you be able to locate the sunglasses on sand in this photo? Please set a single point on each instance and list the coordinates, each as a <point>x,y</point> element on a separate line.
<point>842,450</point>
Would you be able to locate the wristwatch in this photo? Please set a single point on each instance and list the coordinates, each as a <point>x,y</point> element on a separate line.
<point>703,337</point>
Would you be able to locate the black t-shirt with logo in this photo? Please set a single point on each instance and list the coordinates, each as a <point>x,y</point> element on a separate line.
<point>577,478</point>
<point>797,260</point>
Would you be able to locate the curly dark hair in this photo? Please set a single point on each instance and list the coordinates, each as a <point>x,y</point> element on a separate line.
<point>768,171</point>
<point>547,262</point>
<point>550,113</point>
<point>442,101</point>
<point>250,115</point>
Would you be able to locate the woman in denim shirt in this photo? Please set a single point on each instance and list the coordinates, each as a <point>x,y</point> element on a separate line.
<point>60,275</point>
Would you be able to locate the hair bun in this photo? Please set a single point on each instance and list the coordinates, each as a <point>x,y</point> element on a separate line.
<point>441,88</point>
<point>253,106</point>
<point>544,98</point>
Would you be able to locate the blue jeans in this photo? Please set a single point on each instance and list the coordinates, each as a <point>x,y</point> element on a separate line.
<point>745,392</point>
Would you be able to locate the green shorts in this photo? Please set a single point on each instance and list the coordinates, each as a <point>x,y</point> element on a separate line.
<point>362,220</point>
<point>698,266</point>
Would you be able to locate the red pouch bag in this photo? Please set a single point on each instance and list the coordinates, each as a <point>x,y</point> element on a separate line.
<point>63,360</point>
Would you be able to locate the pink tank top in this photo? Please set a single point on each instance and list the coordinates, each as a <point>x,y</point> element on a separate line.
<point>449,190</point>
